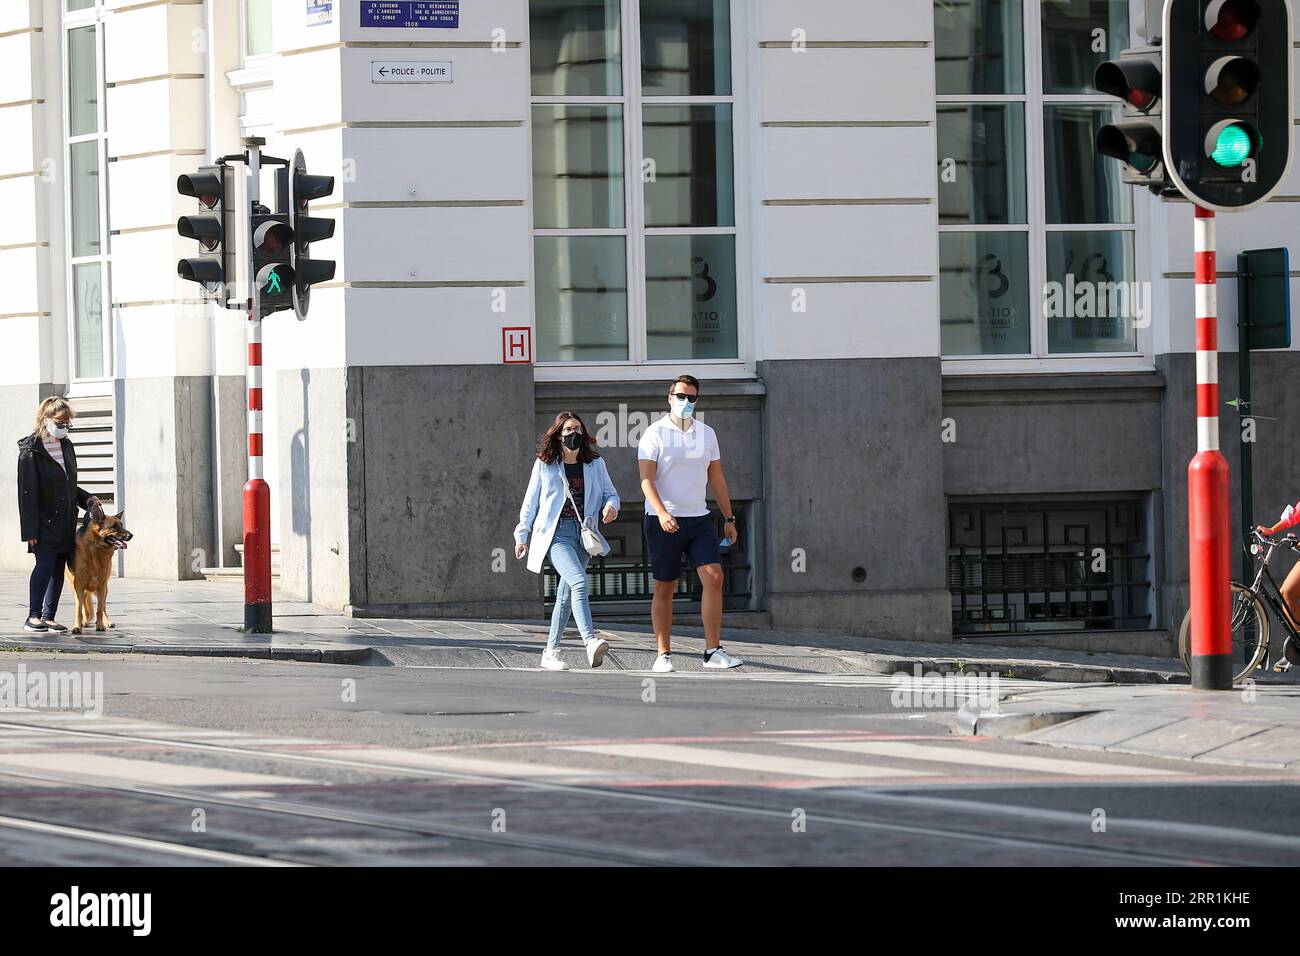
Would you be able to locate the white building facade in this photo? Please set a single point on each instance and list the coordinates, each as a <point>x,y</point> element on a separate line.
<point>845,219</point>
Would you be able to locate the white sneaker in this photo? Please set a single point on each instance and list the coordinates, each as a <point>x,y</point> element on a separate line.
<point>721,660</point>
<point>663,664</point>
<point>596,651</point>
<point>551,660</point>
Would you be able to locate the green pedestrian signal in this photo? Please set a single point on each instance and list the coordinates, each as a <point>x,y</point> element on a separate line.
<point>1231,146</point>
<point>272,250</point>
<point>274,287</point>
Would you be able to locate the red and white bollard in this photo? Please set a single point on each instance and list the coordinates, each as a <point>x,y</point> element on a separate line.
<point>1208,531</point>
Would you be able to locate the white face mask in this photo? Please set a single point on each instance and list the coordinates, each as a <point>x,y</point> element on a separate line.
<point>53,430</point>
<point>682,409</point>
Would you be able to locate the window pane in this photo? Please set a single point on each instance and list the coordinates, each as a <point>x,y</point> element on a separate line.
<point>84,200</point>
<point>80,5</point>
<point>257,27</point>
<point>575,47</point>
<point>1091,299</point>
<point>984,293</point>
<point>691,297</point>
<point>1082,185</point>
<point>686,47</point>
<point>88,313</point>
<point>981,164</point>
<point>1078,35</point>
<point>690,181</point>
<point>979,46</point>
<point>578,167</point>
<point>581,298</point>
<point>83,82</point>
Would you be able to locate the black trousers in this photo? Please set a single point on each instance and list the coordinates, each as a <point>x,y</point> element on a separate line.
<point>46,585</point>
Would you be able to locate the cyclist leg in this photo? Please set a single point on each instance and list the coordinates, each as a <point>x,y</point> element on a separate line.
<point>1290,591</point>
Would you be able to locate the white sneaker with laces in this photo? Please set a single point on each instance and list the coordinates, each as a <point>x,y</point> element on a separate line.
<point>596,651</point>
<point>663,664</point>
<point>551,660</point>
<point>721,660</point>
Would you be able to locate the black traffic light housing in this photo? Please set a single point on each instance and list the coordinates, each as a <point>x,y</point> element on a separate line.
<point>214,229</point>
<point>304,189</point>
<point>272,265</point>
<point>1136,140</point>
<point>1228,99</point>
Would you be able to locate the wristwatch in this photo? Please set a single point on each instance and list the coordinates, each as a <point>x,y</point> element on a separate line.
<point>730,520</point>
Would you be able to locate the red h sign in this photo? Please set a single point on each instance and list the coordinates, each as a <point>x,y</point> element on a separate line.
<point>517,346</point>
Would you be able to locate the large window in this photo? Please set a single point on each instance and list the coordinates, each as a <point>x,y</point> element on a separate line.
<point>257,27</point>
<point>634,206</point>
<point>1037,253</point>
<point>86,193</point>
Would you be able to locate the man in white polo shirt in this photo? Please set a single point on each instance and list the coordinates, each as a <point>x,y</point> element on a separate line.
<point>679,460</point>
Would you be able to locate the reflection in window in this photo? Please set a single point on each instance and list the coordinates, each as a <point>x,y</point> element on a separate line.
<point>691,147</point>
<point>979,47</point>
<point>691,296</point>
<point>981,163</point>
<point>1079,35</point>
<point>984,293</point>
<point>83,82</point>
<point>1091,301</point>
<point>581,298</point>
<point>88,319</point>
<point>1082,185</point>
<point>575,47</point>
<point>578,167</point>
<point>84,198</point>
<point>686,47</point>
<point>257,27</point>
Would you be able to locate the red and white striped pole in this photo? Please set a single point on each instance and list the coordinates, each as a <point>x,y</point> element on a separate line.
<point>257,493</point>
<point>1208,532</point>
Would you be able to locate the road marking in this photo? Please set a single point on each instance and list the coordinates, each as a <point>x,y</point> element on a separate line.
<point>440,761</point>
<point>141,771</point>
<point>945,753</point>
<point>735,760</point>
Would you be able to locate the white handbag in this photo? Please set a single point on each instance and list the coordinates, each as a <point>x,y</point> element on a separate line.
<point>592,539</point>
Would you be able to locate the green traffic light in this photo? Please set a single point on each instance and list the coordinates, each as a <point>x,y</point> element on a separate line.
<point>1232,146</point>
<point>273,284</point>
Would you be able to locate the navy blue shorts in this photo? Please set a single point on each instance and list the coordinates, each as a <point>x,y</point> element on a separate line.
<point>697,538</point>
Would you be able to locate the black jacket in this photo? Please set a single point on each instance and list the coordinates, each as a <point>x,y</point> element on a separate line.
<point>48,496</point>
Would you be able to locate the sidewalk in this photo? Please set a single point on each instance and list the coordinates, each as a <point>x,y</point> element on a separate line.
<point>204,618</point>
<point>1250,726</point>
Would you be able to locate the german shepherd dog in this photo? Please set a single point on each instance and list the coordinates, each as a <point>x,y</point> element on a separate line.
<point>98,539</point>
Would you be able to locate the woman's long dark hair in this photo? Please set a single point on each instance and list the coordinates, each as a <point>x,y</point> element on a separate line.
<point>549,447</point>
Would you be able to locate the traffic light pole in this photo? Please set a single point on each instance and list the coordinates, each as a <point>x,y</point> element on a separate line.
<point>257,494</point>
<point>1209,531</point>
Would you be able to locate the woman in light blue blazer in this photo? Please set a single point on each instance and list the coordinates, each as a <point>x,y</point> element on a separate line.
<point>568,470</point>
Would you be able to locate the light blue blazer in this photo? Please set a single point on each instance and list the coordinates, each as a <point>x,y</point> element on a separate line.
<point>545,499</point>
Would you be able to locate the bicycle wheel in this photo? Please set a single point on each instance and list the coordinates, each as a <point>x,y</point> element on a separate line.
<point>1249,634</point>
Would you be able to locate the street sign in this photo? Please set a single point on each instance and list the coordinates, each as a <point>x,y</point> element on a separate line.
<point>404,14</point>
<point>1264,298</point>
<point>410,71</point>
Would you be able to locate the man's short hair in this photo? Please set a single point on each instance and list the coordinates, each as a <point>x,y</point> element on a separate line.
<point>690,380</point>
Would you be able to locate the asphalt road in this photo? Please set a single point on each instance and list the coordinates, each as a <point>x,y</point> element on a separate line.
<point>227,762</point>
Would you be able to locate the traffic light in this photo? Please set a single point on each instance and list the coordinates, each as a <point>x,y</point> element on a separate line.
<point>1228,99</point>
<point>1137,139</point>
<point>305,188</point>
<point>272,260</point>
<point>214,228</point>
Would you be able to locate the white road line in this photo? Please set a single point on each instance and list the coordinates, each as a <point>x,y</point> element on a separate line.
<point>139,843</point>
<point>736,760</point>
<point>448,762</point>
<point>141,771</point>
<point>944,753</point>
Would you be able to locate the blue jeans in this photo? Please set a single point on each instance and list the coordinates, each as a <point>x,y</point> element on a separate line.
<point>570,559</point>
<point>45,586</point>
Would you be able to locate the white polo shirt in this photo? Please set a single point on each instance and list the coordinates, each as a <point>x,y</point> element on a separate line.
<point>683,458</point>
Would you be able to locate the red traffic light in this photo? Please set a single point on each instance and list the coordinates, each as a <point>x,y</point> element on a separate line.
<point>1231,20</point>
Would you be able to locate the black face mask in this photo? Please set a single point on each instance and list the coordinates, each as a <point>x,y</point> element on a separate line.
<point>572,442</point>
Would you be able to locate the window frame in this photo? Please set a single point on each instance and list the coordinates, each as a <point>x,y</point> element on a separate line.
<point>1036,102</point>
<point>638,366</point>
<point>91,17</point>
<point>245,55</point>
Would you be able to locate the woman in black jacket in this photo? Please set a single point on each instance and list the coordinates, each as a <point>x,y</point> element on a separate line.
<point>48,499</point>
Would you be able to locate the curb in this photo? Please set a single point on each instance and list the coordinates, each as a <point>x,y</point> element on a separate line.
<point>977,723</point>
<point>340,654</point>
<point>1062,673</point>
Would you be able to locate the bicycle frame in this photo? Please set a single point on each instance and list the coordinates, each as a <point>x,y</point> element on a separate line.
<point>1272,594</point>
